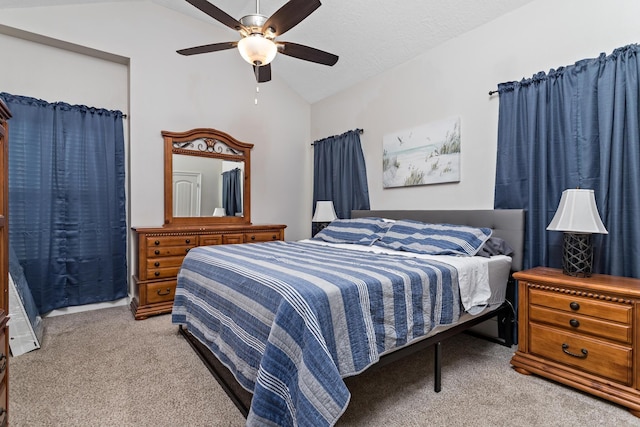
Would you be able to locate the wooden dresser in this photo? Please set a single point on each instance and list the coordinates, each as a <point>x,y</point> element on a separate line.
<point>161,251</point>
<point>4,265</point>
<point>582,332</point>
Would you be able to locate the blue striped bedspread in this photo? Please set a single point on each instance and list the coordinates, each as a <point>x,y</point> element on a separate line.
<point>292,319</point>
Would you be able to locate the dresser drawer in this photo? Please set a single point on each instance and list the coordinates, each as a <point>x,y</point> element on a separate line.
<point>162,273</point>
<point>167,251</point>
<point>602,358</point>
<point>161,292</point>
<point>262,236</point>
<point>4,415</point>
<point>214,239</point>
<point>582,324</point>
<point>163,262</point>
<point>161,241</point>
<point>580,305</point>
<point>4,357</point>
<point>233,238</point>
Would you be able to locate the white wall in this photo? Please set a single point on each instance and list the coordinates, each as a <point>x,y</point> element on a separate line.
<point>34,69</point>
<point>455,78</point>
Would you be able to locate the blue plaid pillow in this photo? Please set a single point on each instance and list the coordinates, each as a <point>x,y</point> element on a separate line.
<point>434,239</point>
<point>360,231</point>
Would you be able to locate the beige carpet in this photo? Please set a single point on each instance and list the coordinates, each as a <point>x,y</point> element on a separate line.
<point>102,368</point>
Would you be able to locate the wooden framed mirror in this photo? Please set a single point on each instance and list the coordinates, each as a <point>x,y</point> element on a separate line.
<point>206,172</point>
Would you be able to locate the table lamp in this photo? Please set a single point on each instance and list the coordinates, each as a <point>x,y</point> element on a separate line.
<point>577,216</point>
<point>324,214</point>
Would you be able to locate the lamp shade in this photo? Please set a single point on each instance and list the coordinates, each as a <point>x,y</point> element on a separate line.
<point>219,212</point>
<point>257,50</point>
<point>577,213</point>
<point>324,211</point>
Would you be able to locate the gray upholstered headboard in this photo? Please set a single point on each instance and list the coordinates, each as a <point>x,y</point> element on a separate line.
<point>508,224</point>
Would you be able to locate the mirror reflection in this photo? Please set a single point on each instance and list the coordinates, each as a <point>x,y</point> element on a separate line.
<point>207,178</point>
<point>205,186</point>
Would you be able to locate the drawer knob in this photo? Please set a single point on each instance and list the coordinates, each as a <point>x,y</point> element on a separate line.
<point>157,273</point>
<point>157,252</point>
<point>157,264</point>
<point>253,237</point>
<point>188,241</point>
<point>583,355</point>
<point>157,242</point>
<point>164,294</point>
<point>186,250</point>
<point>574,306</point>
<point>574,323</point>
<point>274,237</point>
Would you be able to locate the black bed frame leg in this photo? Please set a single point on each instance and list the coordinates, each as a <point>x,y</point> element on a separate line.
<point>437,367</point>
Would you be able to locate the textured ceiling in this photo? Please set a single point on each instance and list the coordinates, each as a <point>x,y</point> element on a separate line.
<point>369,36</point>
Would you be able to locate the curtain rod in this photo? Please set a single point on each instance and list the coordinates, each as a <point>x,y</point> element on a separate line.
<point>360,131</point>
<point>491,92</point>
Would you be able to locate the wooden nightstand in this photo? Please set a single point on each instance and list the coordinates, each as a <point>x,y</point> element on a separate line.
<point>582,332</point>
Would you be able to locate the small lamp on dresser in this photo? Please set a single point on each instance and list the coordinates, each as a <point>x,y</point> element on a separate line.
<point>577,216</point>
<point>323,215</point>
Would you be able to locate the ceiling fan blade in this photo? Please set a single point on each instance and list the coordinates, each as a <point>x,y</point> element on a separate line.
<point>307,53</point>
<point>207,48</point>
<point>263,73</point>
<point>290,15</point>
<point>216,14</point>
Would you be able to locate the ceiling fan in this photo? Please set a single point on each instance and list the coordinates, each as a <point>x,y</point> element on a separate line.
<point>258,45</point>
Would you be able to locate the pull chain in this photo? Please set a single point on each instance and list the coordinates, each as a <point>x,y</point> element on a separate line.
<point>256,70</point>
<point>257,67</point>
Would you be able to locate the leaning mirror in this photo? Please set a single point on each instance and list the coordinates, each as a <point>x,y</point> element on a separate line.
<point>207,178</point>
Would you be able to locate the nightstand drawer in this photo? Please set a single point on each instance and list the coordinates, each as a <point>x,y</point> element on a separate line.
<point>580,305</point>
<point>588,354</point>
<point>582,324</point>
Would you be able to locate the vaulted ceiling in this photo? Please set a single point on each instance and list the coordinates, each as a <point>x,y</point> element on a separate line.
<point>370,37</point>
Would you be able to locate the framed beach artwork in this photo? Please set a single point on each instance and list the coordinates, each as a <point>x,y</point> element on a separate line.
<point>426,154</point>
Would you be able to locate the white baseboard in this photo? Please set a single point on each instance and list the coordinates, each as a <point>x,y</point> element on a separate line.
<point>87,307</point>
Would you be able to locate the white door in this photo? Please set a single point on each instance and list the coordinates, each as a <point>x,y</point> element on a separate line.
<point>186,193</point>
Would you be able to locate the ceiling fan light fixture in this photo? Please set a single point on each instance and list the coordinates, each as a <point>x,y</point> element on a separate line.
<point>257,50</point>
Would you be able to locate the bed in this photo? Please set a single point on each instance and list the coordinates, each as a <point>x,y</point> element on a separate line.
<point>281,324</point>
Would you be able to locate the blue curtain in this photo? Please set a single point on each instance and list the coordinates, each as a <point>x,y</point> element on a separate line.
<point>340,174</point>
<point>67,201</point>
<point>232,191</point>
<point>575,127</point>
